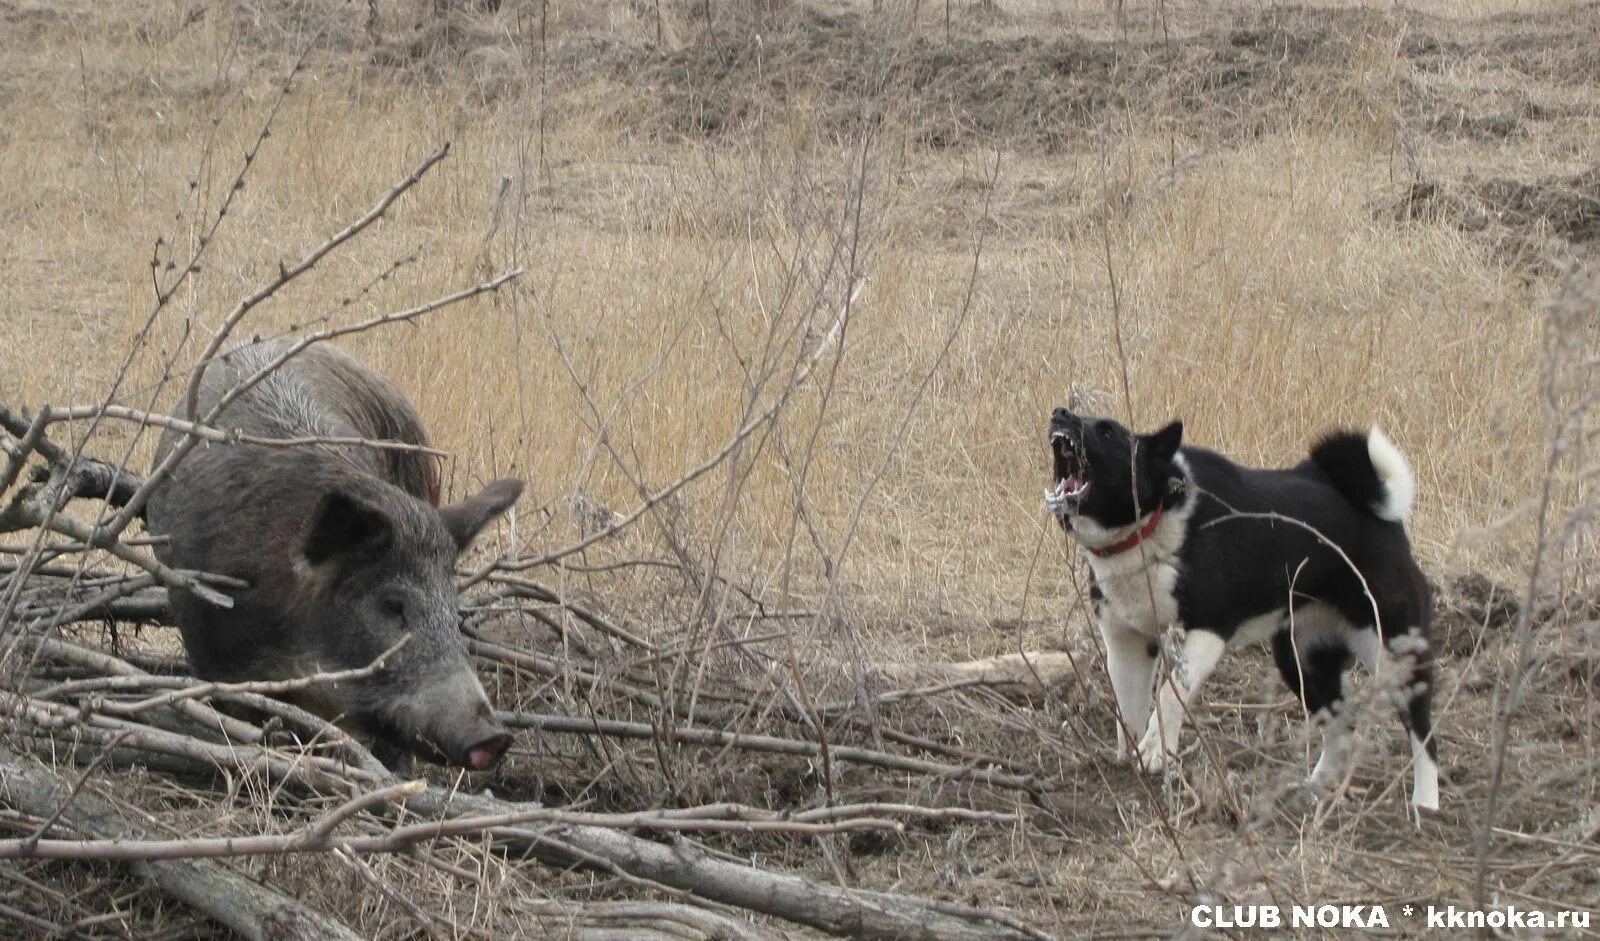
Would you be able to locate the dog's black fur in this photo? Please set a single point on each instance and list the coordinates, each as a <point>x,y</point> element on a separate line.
<point>1240,551</point>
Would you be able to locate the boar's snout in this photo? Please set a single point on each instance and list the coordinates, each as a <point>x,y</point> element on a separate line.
<point>475,741</point>
<point>447,720</point>
<point>487,753</point>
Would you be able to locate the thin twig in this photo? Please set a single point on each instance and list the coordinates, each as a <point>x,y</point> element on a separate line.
<point>225,436</point>
<point>286,273</point>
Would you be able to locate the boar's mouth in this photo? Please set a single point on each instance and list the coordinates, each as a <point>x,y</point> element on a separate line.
<point>487,753</point>
<point>480,752</point>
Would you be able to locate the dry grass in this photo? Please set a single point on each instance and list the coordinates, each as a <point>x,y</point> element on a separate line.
<point>675,219</point>
<point>1262,300</point>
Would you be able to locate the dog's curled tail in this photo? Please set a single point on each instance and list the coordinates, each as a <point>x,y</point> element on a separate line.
<point>1370,471</point>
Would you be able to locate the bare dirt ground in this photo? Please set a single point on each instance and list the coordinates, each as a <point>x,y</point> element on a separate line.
<point>1265,219</point>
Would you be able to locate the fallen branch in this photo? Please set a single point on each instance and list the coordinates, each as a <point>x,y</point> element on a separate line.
<point>1027,676</point>
<point>189,690</point>
<point>136,600</point>
<point>28,514</point>
<point>83,477</point>
<point>716,738</point>
<point>221,435</point>
<point>318,836</point>
<point>22,715</point>
<point>200,713</point>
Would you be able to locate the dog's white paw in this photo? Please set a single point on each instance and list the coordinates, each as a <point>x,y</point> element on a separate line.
<point>1127,750</point>
<point>1153,757</point>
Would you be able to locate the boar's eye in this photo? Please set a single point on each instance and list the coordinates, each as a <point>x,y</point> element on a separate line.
<point>393,606</point>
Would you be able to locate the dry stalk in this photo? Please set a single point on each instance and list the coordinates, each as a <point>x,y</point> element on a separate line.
<point>1569,400</point>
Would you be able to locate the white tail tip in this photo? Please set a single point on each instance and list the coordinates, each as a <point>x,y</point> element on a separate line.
<point>1399,484</point>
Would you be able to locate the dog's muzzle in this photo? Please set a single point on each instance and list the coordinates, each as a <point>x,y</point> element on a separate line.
<point>1071,482</point>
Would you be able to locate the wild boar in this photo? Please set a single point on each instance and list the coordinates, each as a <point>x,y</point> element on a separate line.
<point>344,549</point>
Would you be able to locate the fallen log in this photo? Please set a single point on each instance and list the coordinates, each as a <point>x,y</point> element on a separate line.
<point>261,913</point>
<point>679,866</point>
<point>256,911</point>
<point>840,911</point>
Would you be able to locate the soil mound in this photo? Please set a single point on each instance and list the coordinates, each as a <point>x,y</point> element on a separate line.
<point>1521,216</point>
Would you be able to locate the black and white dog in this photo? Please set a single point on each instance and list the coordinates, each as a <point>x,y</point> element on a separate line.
<point>1313,558</point>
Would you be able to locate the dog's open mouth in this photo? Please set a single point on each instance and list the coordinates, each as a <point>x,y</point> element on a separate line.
<point>1071,475</point>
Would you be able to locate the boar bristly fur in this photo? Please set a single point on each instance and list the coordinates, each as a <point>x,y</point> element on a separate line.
<point>344,550</point>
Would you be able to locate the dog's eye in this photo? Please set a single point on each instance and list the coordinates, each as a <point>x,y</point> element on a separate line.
<point>1103,430</point>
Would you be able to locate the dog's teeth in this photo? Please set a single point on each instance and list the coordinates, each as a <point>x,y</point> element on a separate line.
<point>1056,497</point>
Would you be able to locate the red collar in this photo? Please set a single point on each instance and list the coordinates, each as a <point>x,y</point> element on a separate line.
<point>1137,536</point>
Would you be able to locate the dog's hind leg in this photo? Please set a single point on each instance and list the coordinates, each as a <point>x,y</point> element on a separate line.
<point>1131,661</point>
<point>1316,675</point>
<point>1406,660</point>
<point>1202,649</point>
<point>1424,754</point>
<point>1417,715</point>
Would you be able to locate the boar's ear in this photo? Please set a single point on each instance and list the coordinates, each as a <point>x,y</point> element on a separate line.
<point>467,518</point>
<point>343,527</point>
<point>1159,447</point>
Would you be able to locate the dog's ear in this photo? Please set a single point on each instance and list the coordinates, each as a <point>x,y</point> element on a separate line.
<point>1159,447</point>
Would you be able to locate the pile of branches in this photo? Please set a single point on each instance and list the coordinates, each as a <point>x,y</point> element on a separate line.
<point>90,705</point>
<point>98,725</point>
<point>72,702</point>
<point>85,704</point>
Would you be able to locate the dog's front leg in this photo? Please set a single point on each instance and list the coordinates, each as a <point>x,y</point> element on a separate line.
<point>1131,661</point>
<point>1198,657</point>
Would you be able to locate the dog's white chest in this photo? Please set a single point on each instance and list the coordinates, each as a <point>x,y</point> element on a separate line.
<point>1141,599</point>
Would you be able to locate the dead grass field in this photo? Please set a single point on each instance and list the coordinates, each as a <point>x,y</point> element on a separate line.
<point>1264,219</point>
